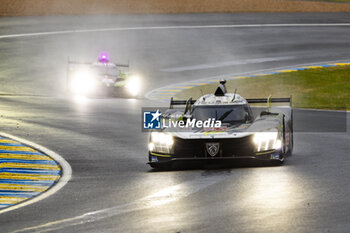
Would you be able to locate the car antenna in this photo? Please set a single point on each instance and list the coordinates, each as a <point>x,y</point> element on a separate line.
<point>234,96</point>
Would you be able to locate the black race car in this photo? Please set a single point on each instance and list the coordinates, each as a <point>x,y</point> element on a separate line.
<point>244,132</point>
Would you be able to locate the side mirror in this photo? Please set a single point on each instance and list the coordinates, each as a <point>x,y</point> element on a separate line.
<point>246,118</point>
<point>264,113</point>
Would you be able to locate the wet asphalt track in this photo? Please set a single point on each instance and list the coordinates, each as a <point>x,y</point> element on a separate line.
<point>102,140</point>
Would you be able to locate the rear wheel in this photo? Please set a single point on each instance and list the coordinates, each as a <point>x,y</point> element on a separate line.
<point>291,145</point>
<point>291,136</point>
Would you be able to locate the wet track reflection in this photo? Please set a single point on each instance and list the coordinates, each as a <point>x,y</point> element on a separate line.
<point>113,190</point>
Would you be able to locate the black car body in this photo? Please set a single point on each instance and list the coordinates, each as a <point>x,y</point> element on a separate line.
<point>246,132</point>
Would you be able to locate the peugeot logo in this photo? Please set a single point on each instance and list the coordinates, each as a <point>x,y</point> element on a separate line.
<point>213,148</point>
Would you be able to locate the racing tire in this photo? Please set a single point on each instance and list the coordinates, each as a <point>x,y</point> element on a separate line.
<point>291,137</point>
<point>291,145</point>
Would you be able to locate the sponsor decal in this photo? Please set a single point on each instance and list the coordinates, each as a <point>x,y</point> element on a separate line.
<point>192,123</point>
<point>154,119</point>
<point>151,120</point>
<point>213,148</point>
<point>214,129</point>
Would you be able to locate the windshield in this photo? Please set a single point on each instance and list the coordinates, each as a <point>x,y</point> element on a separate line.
<point>232,114</point>
<point>105,70</point>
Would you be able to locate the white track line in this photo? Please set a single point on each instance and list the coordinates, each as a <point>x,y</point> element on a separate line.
<point>65,177</point>
<point>175,27</point>
<point>225,64</point>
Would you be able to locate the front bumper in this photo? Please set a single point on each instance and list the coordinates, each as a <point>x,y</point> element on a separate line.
<point>157,158</point>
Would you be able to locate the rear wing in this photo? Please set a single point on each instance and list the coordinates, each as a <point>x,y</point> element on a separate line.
<point>188,103</point>
<point>70,62</point>
<point>78,63</point>
<point>122,65</point>
<point>181,102</point>
<point>268,101</point>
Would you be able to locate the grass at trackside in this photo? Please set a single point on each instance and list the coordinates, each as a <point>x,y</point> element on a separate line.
<point>348,1</point>
<point>321,88</point>
<point>334,1</point>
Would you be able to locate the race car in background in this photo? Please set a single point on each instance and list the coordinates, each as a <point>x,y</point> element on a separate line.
<point>266,135</point>
<point>102,78</point>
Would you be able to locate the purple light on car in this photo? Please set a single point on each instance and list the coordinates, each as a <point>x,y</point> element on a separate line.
<point>103,58</point>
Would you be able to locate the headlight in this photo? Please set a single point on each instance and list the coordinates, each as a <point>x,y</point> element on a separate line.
<point>133,85</point>
<point>162,138</point>
<point>82,83</point>
<point>160,142</point>
<point>151,146</point>
<point>267,140</point>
